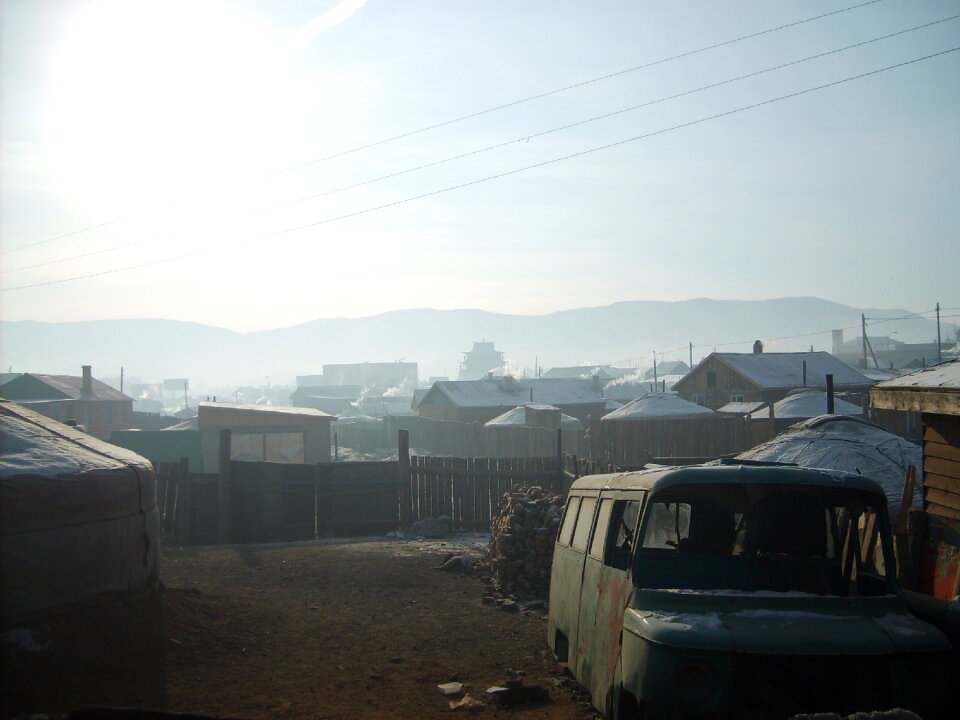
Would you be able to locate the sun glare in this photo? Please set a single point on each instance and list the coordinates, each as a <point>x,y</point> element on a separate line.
<point>153,102</point>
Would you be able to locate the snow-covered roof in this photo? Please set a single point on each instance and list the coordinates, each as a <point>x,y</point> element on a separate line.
<point>631,387</point>
<point>508,391</point>
<point>806,404</point>
<point>353,416</point>
<point>585,372</point>
<point>273,409</point>
<point>741,408</point>
<point>845,443</point>
<point>71,386</point>
<point>785,370</point>
<point>518,416</point>
<point>943,376</point>
<point>658,405</point>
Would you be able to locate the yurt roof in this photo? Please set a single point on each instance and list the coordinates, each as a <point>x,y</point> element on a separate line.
<point>658,405</point>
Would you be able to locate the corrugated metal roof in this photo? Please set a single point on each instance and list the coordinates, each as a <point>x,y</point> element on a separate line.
<point>780,370</point>
<point>508,391</point>
<point>943,376</point>
<point>275,409</point>
<point>740,408</point>
<point>658,405</point>
<point>72,386</point>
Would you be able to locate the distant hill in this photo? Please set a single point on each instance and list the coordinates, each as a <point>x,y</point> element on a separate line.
<point>623,334</point>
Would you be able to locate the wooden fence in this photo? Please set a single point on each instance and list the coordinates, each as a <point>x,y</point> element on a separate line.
<point>469,490</point>
<point>631,443</point>
<point>260,502</point>
<point>257,502</point>
<point>468,440</point>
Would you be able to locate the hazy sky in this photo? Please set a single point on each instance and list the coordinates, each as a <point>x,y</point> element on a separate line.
<point>211,144</point>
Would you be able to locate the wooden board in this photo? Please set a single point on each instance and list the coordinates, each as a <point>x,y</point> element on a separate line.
<point>941,482</point>
<point>939,450</point>
<point>942,498</point>
<point>942,511</point>
<point>938,466</point>
<point>941,429</point>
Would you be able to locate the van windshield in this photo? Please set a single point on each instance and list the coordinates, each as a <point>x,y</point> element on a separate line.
<point>765,537</point>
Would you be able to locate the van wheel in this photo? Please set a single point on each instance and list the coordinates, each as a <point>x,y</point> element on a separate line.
<point>624,705</point>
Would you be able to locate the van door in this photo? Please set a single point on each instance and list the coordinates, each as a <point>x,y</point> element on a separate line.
<point>605,591</point>
<point>566,575</point>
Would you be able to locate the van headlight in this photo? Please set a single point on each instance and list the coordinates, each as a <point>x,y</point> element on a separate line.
<point>694,683</point>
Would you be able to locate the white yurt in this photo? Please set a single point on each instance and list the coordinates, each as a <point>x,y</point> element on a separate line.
<point>79,522</point>
<point>851,444</point>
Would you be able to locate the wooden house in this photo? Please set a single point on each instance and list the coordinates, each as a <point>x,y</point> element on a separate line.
<point>934,393</point>
<point>267,433</point>
<point>483,400</point>
<point>93,404</point>
<point>722,378</point>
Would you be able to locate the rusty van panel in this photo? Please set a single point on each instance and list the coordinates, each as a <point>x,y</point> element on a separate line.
<point>741,582</point>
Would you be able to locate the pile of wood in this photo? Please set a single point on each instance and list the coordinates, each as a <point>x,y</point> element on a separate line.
<point>521,541</point>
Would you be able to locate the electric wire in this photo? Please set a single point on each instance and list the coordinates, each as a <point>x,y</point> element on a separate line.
<point>487,111</point>
<point>519,139</point>
<point>525,168</point>
<point>873,321</point>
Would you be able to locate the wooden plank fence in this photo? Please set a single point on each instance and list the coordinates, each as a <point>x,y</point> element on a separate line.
<point>469,490</point>
<point>279,502</point>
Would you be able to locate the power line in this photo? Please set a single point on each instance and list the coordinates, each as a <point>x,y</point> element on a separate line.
<point>604,116</point>
<point>487,111</point>
<point>876,321</point>
<point>548,93</point>
<point>513,141</point>
<point>515,171</point>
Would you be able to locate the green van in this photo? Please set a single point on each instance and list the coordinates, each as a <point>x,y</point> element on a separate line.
<point>737,591</point>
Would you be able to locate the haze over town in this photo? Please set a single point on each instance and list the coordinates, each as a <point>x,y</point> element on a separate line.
<point>157,157</point>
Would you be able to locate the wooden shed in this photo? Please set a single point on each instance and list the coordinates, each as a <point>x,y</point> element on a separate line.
<point>934,392</point>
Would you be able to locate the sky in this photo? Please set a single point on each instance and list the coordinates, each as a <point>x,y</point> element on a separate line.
<point>252,165</point>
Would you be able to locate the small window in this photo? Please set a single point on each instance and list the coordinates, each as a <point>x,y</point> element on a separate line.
<point>669,523</point>
<point>624,533</point>
<point>569,519</point>
<point>736,398</point>
<point>584,520</point>
<point>600,534</point>
<point>711,379</point>
<point>697,398</point>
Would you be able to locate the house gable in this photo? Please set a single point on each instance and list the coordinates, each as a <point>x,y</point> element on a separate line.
<point>33,387</point>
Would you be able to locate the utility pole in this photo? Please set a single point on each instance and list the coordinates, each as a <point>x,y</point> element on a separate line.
<point>654,368</point>
<point>939,359</point>
<point>863,338</point>
<point>121,378</point>
<point>691,354</point>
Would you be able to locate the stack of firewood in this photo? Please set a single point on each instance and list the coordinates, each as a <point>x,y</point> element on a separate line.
<point>521,541</point>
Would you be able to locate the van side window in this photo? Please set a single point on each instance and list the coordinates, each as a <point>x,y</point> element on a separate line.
<point>600,533</point>
<point>669,523</point>
<point>584,520</point>
<point>569,518</point>
<point>623,532</point>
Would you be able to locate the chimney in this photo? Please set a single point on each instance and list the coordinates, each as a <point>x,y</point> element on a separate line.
<point>87,381</point>
<point>837,341</point>
<point>757,347</point>
<point>596,383</point>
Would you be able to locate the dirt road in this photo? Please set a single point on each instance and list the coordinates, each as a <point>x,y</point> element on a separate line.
<point>308,631</point>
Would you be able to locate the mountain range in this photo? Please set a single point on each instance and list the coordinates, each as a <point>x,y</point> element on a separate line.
<point>624,334</point>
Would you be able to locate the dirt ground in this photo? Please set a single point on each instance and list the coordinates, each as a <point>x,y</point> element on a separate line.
<point>346,630</point>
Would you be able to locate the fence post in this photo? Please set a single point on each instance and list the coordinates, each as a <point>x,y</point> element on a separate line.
<point>561,476</point>
<point>224,509</point>
<point>403,460</point>
<point>182,511</point>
